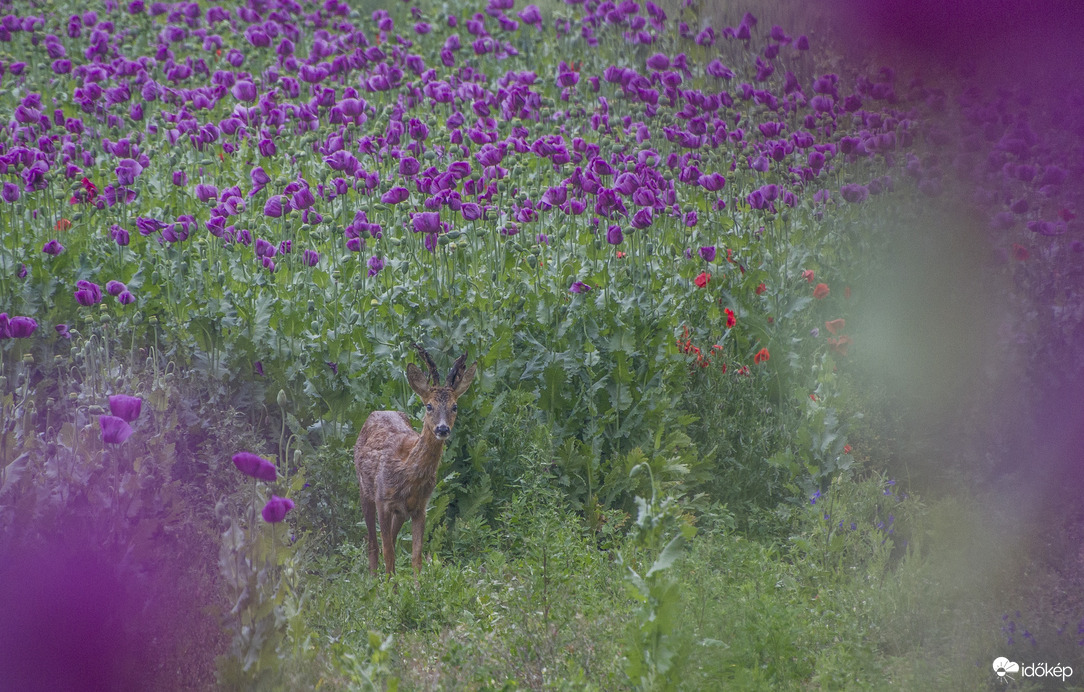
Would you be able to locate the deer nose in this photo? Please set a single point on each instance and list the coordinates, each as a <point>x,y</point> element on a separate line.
<point>442,430</point>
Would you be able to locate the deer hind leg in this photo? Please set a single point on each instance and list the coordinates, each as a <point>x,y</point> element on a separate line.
<point>389,529</point>
<point>368,508</point>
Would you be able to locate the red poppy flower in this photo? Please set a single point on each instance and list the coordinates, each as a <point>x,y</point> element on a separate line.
<point>761,288</point>
<point>846,449</point>
<point>731,320</point>
<point>63,225</point>
<point>820,291</point>
<point>761,356</point>
<point>835,326</point>
<point>702,280</point>
<point>839,344</point>
<point>808,275</point>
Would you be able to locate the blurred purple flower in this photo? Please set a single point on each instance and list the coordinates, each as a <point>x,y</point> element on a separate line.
<point>114,430</point>
<point>708,253</point>
<point>426,222</point>
<point>206,193</point>
<point>273,206</point>
<point>125,407</point>
<point>53,247</point>
<point>579,287</point>
<point>87,293</point>
<point>854,193</point>
<point>127,171</point>
<point>244,91</point>
<point>115,288</point>
<point>395,195</point>
<point>62,331</point>
<point>119,235</point>
<point>614,236</point>
<point>310,258</point>
<point>10,193</point>
<point>254,465</point>
<point>21,327</point>
<point>375,265</point>
<point>125,298</point>
<point>276,508</point>
<point>180,178</point>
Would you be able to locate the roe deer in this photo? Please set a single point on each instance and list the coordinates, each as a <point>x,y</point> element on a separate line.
<point>397,467</point>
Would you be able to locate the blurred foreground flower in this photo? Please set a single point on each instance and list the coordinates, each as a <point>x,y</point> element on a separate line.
<point>276,508</point>
<point>125,407</point>
<point>255,466</point>
<point>114,430</point>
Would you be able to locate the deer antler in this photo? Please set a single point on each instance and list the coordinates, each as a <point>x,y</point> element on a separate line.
<point>434,375</point>
<point>456,372</point>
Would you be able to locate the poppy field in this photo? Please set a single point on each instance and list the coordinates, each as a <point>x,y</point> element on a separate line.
<point>745,304</point>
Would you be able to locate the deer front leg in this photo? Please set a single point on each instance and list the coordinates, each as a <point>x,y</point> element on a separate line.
<point>417,535</point>
<point>394,524</point>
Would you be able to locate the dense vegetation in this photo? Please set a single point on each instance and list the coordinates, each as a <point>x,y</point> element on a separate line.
<point>742,350</point>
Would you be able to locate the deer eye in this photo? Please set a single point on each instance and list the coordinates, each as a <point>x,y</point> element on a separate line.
<point>429,407</point>
<point>454,408</point>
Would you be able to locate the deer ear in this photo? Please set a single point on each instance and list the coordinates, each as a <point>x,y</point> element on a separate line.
<point>465,380</point>
<point>417,380</point>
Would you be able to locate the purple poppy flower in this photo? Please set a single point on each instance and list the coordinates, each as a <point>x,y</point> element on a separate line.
<point>303,199</point>
<point>10,193</point>
<point>125,298</point>
<point>409,166</point>
<point>658,61</point>
<point>115,288</point>
<point>276,508</point>
<point>614,236</point>
<point>579,287</point>
<point>426,222</point>
<point>708,253</point>
<point>259,177</point>
<point>87,293</point>
<point>471,211</point>
<point>267,147</point>
<point>375,265</point>
<point>531,15</point>
<point>354,244</point>
<point>120,236</point>
<point>22,327</point>
<point>395,195</point>
<point>53,247</point>
<point>255,466</point>
<point>114,430</point>
<point>127,171</point>
<point>180,178</point>
<point>854,193</point>
<point>273,207</point>
<point>310,258</point>
<point>642,218</point>
<point>206,193</point>
<point>62,331</point>
<point>691,219</point>
<point>244,90</point>
<point>125,407</point>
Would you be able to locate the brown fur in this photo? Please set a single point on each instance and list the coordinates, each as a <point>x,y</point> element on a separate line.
<point>397,466</point>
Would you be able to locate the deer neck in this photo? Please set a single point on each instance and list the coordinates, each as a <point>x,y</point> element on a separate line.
<point>425,457</point>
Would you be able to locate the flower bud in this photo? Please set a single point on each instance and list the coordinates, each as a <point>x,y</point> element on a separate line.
<point>282,399</point>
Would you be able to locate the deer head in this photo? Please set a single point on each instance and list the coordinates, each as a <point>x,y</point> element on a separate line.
<point>440,402</point>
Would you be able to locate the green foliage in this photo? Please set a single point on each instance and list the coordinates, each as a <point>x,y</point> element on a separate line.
<point>661,533</point>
